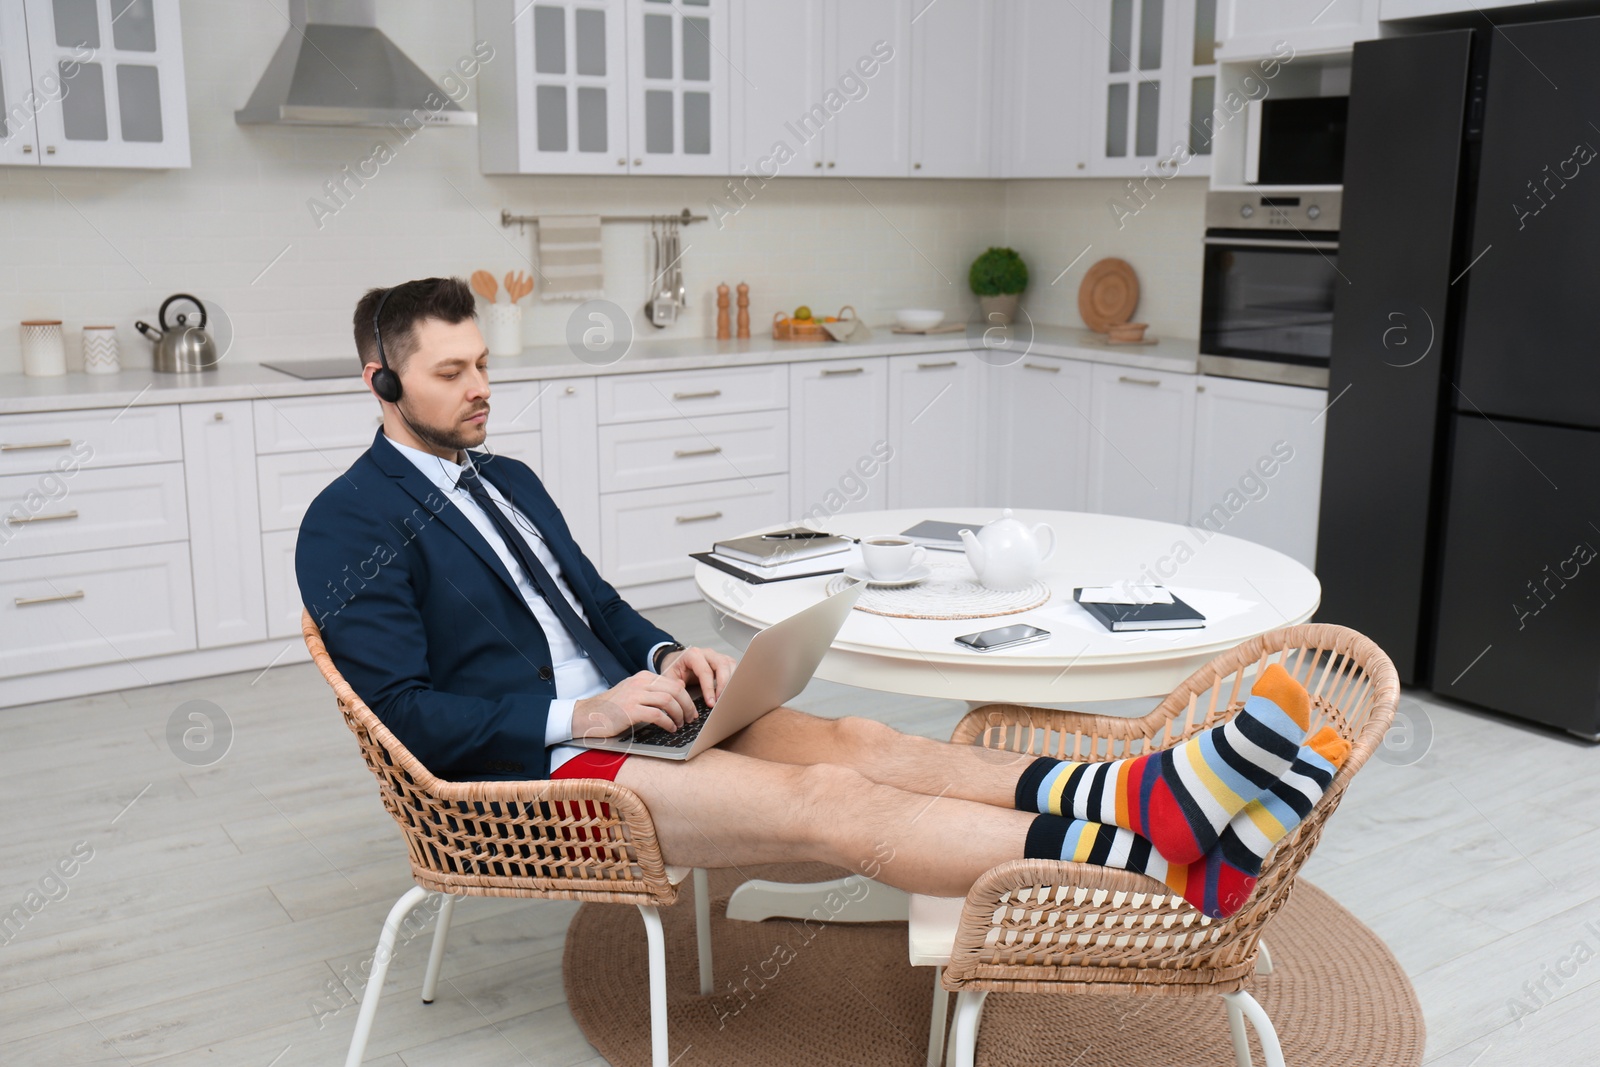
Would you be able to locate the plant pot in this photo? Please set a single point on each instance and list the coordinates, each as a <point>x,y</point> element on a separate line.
<point>999,310</point>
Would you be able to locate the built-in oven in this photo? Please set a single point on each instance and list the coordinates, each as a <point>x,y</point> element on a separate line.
<point>1271,271</point>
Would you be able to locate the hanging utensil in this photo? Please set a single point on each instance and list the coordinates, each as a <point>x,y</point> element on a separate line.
<point>655,277</point>
<point>664,311</point>
<point>679,294</point>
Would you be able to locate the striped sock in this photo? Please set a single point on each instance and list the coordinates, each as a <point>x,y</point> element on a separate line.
<point>1223,879</point>
<point>1181,798</point>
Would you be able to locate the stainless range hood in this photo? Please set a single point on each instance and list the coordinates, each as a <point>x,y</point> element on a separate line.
<point>336,68</point>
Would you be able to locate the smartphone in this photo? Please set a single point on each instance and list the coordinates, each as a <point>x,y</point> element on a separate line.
<point>1003,637</point>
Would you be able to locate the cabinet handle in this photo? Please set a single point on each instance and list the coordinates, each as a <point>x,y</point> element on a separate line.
<point>700,518</point>
<point>697,396</point>
<point>24,601</point>
<point>818,164</point>
<point>638,162</point>
<point>834,372</point>
<point>217,417</point>
<point>64,443</point>
<point>916,166</point>
<point>685,453</point>
<point>572,390</point>
<point>622,162</point>
<point>44,518</point>
<point>1043,366</point>
<point>936,366</point>
<point>378,421</point>
<point>50,150</point>
<point>830,162</point>
<point>27,149</point>
<point>1138,381</point>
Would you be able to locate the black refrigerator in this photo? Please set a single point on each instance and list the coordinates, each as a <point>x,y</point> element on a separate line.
<point>1460,517</point>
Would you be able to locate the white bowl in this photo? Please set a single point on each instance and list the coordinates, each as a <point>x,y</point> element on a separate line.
<point>918,318</point>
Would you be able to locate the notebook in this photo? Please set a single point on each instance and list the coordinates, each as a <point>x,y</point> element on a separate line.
<point>1121,618</point>
<point>780,546</point>
<point>935,533</point>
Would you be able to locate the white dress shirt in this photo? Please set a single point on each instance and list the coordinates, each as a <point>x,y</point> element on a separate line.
<point>576,676</point>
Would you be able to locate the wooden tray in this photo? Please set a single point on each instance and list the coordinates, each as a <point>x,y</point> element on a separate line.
<point>1109,294</point>
<point>787,329</point>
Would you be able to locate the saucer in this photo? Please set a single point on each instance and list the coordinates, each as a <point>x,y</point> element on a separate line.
<point>859,572</point>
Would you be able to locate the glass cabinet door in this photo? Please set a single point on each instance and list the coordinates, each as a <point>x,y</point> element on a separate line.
<point>571,74</point>
<point>678,86</point>
<point>1155,73</point>
<point>18,142</point>
<point>109,78</point>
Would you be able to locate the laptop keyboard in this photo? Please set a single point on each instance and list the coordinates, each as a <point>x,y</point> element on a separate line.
<point>682,737</point>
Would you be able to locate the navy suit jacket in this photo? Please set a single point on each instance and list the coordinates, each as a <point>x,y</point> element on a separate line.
<point>428,626</point>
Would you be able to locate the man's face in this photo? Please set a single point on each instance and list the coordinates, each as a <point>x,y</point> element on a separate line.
<point>445,401</point>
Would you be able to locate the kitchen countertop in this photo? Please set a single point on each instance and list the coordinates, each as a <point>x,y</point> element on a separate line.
<point>248,381</point>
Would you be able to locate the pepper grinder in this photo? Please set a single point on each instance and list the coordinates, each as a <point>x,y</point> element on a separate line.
<point>722,312</point>
<point>744,311</point>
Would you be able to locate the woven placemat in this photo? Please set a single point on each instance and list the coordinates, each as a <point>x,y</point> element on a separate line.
<point>952,591</point>
<point>843,995</point>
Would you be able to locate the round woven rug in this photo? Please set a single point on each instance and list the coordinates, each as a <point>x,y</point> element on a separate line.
<point>843,995</point>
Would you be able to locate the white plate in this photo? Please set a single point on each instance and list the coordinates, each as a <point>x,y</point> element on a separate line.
<point>859,572</point>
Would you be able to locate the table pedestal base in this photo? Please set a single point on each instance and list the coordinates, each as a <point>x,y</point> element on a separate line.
<point>852,899</point>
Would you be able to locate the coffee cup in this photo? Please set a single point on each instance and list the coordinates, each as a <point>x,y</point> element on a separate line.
<point>889,558</point>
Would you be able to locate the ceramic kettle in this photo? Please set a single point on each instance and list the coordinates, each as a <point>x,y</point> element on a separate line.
<point>1008,553</point>
<point>183,348</point>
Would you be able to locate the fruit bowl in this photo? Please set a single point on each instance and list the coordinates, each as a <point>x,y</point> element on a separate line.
<point>918,318</point>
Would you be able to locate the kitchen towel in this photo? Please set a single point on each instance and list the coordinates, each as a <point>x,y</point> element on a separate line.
<point>569,257</point>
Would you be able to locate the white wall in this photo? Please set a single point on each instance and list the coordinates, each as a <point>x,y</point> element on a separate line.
<point>106,246</point>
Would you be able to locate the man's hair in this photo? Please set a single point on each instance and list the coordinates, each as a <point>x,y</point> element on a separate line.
<point>447,299</point>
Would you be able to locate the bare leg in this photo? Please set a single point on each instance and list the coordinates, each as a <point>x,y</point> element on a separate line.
<point>722,809</point>
<point>884,754</point>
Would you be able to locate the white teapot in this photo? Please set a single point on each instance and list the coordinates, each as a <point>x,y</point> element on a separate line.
<point>1008,553</point>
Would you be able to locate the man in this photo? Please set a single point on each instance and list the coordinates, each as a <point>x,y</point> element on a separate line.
<point>453,598</point>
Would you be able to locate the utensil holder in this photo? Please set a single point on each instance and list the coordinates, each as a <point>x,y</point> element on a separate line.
<point>44,355</point>
<point>100,353</point>
<point>503,329</point>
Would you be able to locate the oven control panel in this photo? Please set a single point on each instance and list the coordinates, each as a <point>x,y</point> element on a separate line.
<point>1273,211</point>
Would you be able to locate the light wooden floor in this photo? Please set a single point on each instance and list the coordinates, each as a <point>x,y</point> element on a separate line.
<point>221,905</point>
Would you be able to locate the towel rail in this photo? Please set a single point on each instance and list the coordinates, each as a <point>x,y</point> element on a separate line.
<point>683,218</point>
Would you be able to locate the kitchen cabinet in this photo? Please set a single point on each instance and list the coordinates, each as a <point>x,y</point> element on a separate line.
<point>1255,29</point>
<point>839,445</point>
<point>605,87</point>
<point>953,89</point>
<point>1258,463</point>
<point>19,140</point>
<point>1039,431</point>
<point>1154,73</point>
<point>224,532</point>
<point>106,90</point>
<point>1142,446</point>
<point>784,42</point>
<point>868,136</point>
<point>1045,122</point>
<point>936,406</point>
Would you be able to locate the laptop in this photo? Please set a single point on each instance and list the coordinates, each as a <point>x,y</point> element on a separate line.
<point>776,666</point>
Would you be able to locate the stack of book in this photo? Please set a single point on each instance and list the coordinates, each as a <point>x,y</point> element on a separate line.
<point>779,556</point>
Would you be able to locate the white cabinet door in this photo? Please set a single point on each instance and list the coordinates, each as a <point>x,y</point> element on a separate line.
<point>571,467</point>
<point>1039,431</point>
<point>839,444</point>
<point>1258,463</point>
<point>19,142</point>
<point>1254,29</point>
<point>936,427</point>
<point>952,96</point>
<point>114,85</point>
<point>1142,446</point>
<point>219,468</point>
<point>865,112</point>
<point>777,61</point>
<point>554,99</point>
<point>1046,118</point>
<point>1153,74</point>
<point>678,86</point>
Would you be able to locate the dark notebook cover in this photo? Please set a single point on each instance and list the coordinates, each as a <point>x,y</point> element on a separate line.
<point>1120,618</point>
<point>733,568</point>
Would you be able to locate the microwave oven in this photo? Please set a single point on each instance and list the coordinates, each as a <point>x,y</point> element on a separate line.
<point>1297,141</point>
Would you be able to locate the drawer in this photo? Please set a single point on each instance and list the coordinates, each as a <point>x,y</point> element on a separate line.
<point>51,513</point>
<point>647,535</point>
<point>301,423</point>
<point>99,437</point>
<point>681,451</point>
<point>680,394</point>
<point>289,482</point>
<point>83,608</point>
<point>283,592</point>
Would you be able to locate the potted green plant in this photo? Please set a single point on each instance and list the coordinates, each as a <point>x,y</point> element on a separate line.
<point>998,278</point>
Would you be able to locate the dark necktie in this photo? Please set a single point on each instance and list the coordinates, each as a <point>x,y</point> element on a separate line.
<point>543,580</point>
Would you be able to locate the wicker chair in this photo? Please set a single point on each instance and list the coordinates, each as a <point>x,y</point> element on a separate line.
<point>571,839</point>
<point>1034,926</point>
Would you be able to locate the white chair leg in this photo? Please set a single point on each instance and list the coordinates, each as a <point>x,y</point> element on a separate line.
<point>969,1008</point>
<point>1263,958</point>
<point>658,984</point>
<point>941,1011</point>
<point>702,927</point>
<point>441,930</point>
<point>380,967</point>
<point>1242,1006</point>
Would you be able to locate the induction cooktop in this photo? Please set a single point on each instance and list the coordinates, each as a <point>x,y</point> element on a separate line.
<point>308,369</point>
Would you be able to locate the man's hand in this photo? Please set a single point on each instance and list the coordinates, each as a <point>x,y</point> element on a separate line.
<point>639,698</point>
<point>710,668</point>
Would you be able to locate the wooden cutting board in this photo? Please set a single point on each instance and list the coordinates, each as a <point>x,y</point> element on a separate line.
<point>1109,294</point>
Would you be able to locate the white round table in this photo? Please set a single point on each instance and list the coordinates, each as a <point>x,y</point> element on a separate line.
<point>1243,589</point>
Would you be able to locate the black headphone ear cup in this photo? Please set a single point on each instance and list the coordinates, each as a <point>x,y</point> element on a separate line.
<point>386,383</point>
